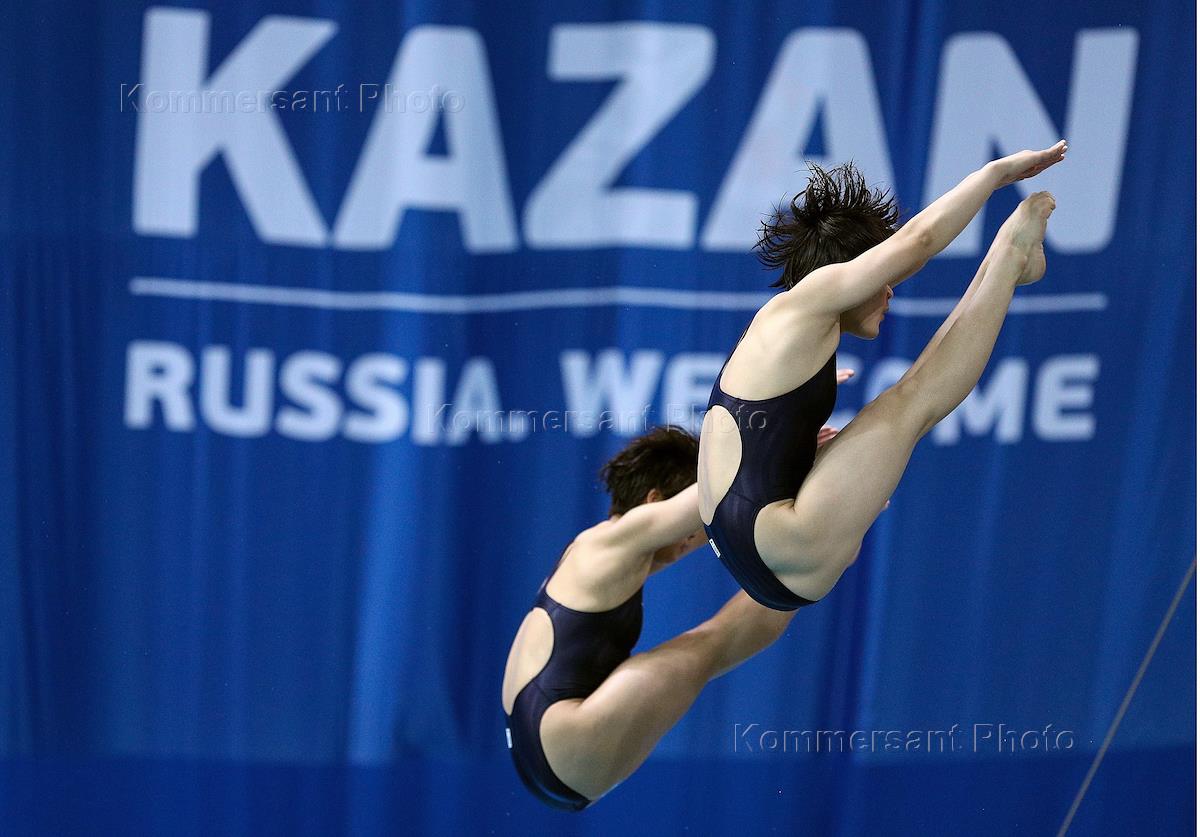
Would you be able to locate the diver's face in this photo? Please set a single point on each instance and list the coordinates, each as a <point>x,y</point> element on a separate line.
<point>863,320</point>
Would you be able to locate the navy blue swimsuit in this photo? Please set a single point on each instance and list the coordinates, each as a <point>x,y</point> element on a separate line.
<point>587,647</point>
<point>779,443</point>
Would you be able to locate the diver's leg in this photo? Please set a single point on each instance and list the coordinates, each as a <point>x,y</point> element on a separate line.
<point>808,543</point>
<point>594,743</point>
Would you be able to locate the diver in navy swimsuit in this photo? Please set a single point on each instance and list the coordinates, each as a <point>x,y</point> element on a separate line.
<point>786,517</point>
<point>581,713</point>
<point>786,520</point>
<point>587,647</point>
<point>779,443</point>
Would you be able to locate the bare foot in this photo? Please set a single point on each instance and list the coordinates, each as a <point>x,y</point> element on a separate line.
<point>1026,228</point>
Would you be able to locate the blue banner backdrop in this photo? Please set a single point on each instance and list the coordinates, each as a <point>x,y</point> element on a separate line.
<point>319,318</point>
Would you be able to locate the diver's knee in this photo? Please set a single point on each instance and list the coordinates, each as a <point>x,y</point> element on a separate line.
<point>853,556</point>
<point>905,407</point>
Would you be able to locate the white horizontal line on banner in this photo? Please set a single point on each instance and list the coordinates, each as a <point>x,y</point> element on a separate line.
<point>618,295</point>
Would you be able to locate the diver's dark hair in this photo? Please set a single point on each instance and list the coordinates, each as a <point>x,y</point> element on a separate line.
<point>663,459</point>
<point>836,218</point>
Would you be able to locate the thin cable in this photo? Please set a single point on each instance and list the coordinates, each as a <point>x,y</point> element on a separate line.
<point>1133,687</point>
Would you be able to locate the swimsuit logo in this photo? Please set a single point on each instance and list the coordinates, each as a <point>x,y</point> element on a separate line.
<point>714,546</point>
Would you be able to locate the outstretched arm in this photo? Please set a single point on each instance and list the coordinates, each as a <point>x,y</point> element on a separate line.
<point>652,526</point>
<point>839,287</point>
<point>608,562</point>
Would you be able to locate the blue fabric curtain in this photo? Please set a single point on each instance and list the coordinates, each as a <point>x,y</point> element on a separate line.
<point>318,319</point>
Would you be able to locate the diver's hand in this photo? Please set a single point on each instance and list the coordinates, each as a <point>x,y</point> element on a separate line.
<point>828,431</point>
<point>1026,164</point>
